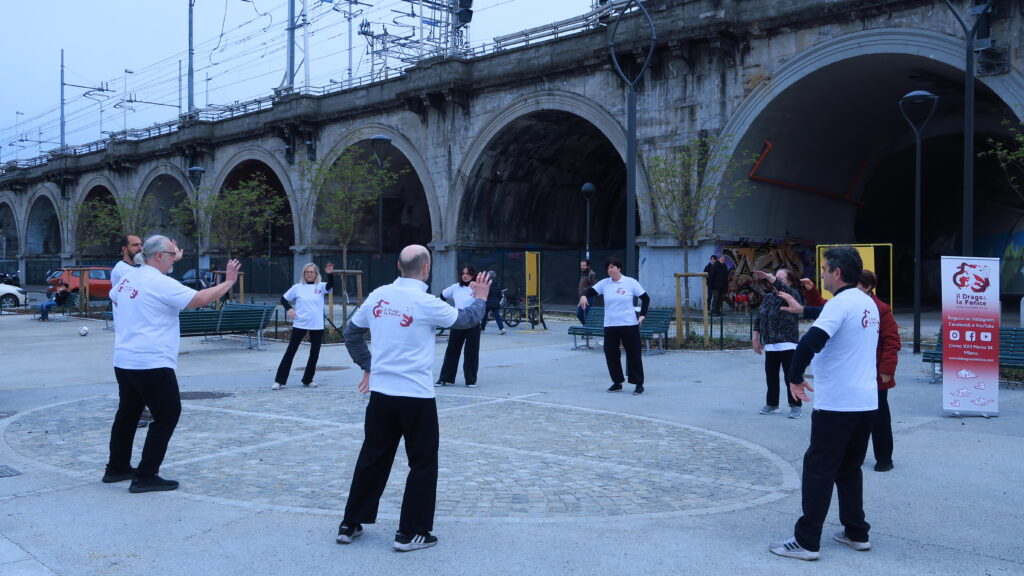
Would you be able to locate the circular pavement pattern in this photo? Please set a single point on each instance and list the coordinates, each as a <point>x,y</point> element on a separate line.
<point>500,458</point>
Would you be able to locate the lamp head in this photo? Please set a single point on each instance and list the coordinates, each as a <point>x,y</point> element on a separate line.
<point>195,175</point>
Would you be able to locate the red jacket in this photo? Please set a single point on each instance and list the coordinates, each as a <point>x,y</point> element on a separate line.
<point>888,344</point>
<point>812,297</point>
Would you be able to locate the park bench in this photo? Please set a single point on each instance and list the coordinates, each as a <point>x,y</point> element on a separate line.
<point>1011,351</point>
<point>247,319</point>
<point>68,309</point>
<point>655,327</point>
<point>592,329</point>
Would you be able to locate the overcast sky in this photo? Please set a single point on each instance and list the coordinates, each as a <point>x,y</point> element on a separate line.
<point>239,44</point>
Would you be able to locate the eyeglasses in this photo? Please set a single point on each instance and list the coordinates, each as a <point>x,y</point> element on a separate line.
<point>166,252</point>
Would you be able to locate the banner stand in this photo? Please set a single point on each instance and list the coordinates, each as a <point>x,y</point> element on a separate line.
<point>970,336</point>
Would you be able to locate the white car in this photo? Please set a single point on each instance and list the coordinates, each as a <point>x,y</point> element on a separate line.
<point>12,296</point>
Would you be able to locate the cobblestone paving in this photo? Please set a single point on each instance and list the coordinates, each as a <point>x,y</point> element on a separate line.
<point>500,458</point>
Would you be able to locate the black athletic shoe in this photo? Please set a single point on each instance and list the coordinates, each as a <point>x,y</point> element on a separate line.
<point>410,542</point>
<point>346,533</point>
<point>883,466</point>
<point>615,387</point>
<point>110,477</point>
<point>639,390</point>
<point>152,483</point>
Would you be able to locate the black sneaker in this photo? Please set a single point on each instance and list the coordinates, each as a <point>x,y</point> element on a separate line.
<point>410,542</point>
<point>440,383</point>
<point>152,483</point>
<point>883,466</point>
<point>615,387</point>
<point>110,477</point>
<point>346,533</point>
<point>639,390</point>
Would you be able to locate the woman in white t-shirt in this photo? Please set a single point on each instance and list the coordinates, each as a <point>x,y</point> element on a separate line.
<point>462,295</point>
<point>307,317</point>
<point>621,323</point>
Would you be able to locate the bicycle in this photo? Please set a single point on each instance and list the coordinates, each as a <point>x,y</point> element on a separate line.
<point>512,307</point>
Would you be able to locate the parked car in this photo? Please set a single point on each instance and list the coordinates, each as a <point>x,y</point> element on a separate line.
<point>197,278</point>
<point>99,279</point>
<point>12,296</point>
<point>10,278</point>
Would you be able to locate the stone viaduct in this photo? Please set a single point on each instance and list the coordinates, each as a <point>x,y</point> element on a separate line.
<point>495,147</point>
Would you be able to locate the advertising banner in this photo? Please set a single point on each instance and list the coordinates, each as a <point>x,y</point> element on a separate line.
<point>970,335</point>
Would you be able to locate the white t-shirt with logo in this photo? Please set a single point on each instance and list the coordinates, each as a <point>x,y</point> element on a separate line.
<point>844,370</point>
<point>120,269</point>
<point>308,301</point>
<point>461,295</point>
<point>618,300</point>
<point>146,305</point>
<point>402,318</point>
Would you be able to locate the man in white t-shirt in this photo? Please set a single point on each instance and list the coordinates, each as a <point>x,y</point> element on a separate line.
<point>131,258</point>
<point>401,318</point>
<point>146,305</point>
<point>842,343</point>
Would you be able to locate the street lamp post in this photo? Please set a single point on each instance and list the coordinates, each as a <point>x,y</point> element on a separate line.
<point>631,82</point>
<point>970,33</point>
<point>918,99</point>
<point>588,190</point>
<point>195,176</point>
<point>270,238</point>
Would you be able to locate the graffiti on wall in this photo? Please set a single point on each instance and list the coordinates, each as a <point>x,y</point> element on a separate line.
<point>745,258</point>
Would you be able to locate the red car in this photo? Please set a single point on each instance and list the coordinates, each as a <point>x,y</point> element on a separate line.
<point>98,279</point>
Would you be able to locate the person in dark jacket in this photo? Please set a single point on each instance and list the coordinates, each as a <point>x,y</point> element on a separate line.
<point>587,279</point>
<point>493,304</point>
<point>719,286</point>
<point>59,298</point>
<point>776,333</point>
<point>710,270</point>
<point>887,357</point>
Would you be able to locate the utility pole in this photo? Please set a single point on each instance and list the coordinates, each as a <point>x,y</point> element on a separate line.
<point>191,68</point>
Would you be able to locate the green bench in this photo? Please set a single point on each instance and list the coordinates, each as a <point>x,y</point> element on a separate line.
<point>68,309</point>
<point>592,329</point>
<point>1011,351</point>
<point>247,319</point>
<point>655,327</point>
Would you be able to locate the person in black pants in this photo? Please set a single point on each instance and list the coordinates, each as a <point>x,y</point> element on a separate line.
<point>307,318</point>
<point>842,342</point>
<point>146,304</point>
<point>621,323</point>
<point>776,334</point>
<point>462,295</point>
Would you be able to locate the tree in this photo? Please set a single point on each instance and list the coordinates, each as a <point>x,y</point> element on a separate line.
<point>237,217</point>
<point>687,190</point>
<point>1010,156</point>
<point>345,188</point>
<point>101,221</point>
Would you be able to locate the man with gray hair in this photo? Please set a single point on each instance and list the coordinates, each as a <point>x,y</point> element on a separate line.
<point>401,317</point>
<point>146,303</point>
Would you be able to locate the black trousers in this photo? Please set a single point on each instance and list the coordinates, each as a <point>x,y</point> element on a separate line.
<point>388,420</point>
<point>459,336</point>
<point>773,361</point>
<point>156,389</point>
<point>881,430</point>
<point>316,337</point>
<point>839,441</point>
<point>629,338</point>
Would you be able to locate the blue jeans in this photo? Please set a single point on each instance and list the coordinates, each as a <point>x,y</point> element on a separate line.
<point>581,314</point>
<point>497,318</point>
<point>44,308</point>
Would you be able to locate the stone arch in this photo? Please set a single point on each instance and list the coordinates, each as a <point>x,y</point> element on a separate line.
<point>283,175</point>
<point>405,146</point>
<point>10,234</point>
<point>858,171</point>
<point>552,100</point>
